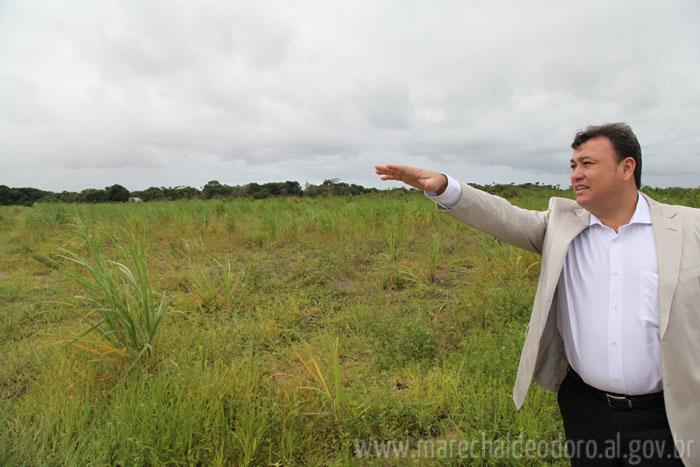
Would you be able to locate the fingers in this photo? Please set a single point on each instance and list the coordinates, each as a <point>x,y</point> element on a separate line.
<point>396,168</point>
<point>384,169</point>
<point>393,169</point>
<point>380,169</point>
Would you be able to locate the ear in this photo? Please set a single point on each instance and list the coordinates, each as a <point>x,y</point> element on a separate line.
<point>628,164</point>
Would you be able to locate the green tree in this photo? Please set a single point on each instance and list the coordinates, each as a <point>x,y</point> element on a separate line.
<point>92,195</point>
<point>213,189</point>
<point>117,194</point>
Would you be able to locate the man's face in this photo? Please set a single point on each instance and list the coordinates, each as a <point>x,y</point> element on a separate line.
<point>596,175</point>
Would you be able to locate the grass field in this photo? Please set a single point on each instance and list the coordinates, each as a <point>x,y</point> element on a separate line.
<point>295,331</point>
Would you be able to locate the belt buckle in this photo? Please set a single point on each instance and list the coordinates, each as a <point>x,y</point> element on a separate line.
<point>614,402</point>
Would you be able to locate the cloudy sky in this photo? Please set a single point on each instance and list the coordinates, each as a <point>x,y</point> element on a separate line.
<point>165,93</point>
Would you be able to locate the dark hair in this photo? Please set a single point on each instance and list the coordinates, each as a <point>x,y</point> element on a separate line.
<point>623,141</point>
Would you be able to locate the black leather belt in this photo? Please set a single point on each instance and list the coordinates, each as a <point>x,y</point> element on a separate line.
<point>619,401</point>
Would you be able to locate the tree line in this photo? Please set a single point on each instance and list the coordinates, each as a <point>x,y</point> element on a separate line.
<point>330,187</point>
<point>212,190</point>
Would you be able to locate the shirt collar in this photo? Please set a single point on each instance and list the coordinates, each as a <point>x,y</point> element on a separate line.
<point>641,214</point>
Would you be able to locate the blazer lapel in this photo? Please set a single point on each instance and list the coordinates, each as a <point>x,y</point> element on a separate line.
<point>668,235</point>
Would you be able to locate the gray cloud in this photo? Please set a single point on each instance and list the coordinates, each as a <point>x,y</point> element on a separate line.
<point>157,93</point>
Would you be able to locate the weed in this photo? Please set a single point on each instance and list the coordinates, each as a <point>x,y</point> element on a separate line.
<point>120,296</point>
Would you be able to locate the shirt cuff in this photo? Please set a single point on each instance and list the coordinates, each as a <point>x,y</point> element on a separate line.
<point>450,197</point>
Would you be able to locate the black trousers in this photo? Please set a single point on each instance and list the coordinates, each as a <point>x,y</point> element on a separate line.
<point>599,435</point>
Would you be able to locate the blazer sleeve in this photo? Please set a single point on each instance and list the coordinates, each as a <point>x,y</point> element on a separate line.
<point>496,216</point>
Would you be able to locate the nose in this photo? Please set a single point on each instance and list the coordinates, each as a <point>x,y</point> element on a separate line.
<point>577,174</point>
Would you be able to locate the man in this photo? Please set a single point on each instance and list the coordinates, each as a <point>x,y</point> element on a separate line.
<point>615,325</point>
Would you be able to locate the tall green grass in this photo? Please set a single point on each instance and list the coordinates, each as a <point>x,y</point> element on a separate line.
<point>119,297</point>
<point>302,326</point>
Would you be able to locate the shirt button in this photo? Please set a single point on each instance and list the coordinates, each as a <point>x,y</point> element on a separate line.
<point>615,307</point>
<point>614,343</point>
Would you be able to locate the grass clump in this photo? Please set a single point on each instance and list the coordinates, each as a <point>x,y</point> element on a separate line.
<point>128,311</point>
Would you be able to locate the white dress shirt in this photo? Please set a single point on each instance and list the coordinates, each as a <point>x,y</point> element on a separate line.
<point>607,302</point>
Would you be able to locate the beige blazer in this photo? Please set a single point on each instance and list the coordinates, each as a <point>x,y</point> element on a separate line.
<point>549,233</point>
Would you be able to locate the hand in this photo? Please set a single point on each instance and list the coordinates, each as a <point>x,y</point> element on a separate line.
<point>422,179</point>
